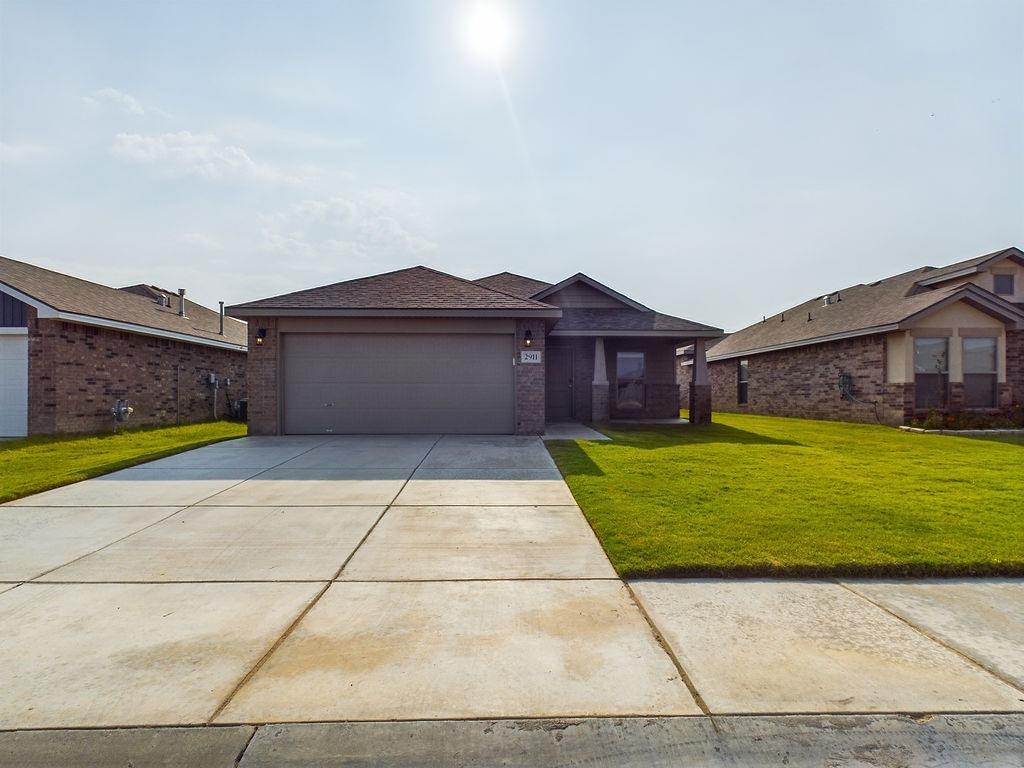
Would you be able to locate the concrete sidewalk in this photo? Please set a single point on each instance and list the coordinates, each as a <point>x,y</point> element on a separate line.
<point>301,580</point>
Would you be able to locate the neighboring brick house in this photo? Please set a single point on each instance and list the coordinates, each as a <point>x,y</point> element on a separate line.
<point>418,350</point>
<point>947,339</point>
<point>70,349</point>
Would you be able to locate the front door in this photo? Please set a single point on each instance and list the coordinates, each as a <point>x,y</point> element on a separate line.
<point>558,385</point>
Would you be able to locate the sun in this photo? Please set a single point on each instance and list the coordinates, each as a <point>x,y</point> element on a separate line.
<point>487,31</point>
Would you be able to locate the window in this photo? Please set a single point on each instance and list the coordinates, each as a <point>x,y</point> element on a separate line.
<point>980,372</point>
<point>629,375</point>
<point>931,372</point>
<point>1003,284</point>
<point>741,378</point>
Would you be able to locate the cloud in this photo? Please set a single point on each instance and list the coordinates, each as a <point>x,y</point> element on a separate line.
<point>200,155</point>
<point>121,100</point>
<point>202,241</point>
<point>377,228</point>
<point>20,153</point>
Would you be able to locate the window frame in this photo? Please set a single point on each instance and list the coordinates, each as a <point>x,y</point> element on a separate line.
<point>943,377</point>
<point>640,402</point>
<point>991,375</point>
<point>1006,276</point>
<point>742,381</point>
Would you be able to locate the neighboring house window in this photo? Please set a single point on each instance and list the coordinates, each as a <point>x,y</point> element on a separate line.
<point>629,374</point>
<point>741,387</point>
<point>1003,284</point>
<point>980,372</point>
<point>931,372</point>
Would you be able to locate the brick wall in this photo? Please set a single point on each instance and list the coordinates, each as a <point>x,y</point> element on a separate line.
<point>804,382</point>
<point>78,372</point>
<point>530,381</point>
<point>1015,366</point>
<point>661,392</point>
<point>262,377</point>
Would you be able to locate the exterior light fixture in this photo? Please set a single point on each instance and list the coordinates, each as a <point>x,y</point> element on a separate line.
<point>261,334</point>
<point>527,338</point>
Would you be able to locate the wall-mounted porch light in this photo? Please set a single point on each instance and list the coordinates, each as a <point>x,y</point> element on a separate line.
<point>527,338</point>
<point>261,334</point>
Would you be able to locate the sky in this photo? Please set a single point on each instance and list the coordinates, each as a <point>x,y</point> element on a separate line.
<point>717,161</point>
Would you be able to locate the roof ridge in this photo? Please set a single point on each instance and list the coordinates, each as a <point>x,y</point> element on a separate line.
<point>484,287</point>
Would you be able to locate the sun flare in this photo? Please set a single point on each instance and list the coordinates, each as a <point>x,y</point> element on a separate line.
<point>487,31</point>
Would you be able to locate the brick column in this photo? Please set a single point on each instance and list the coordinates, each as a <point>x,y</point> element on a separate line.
<point>600,404</point>
<point>955,401</point>
<point>1015,365</point>
<point>700,386</point>
<point>530,379</point>
<point>261,377</point>
<point>42,373</point>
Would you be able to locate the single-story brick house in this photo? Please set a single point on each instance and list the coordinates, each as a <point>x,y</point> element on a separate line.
<point>947,339</point>
<point>71,349</point>
<point>419,350</point>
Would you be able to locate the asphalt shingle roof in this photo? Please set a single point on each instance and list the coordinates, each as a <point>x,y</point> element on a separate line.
<point>517,285</point>
<point>65,293</point>
<point>858,307</point>
<point>412,288</point>
<point>585,319</point>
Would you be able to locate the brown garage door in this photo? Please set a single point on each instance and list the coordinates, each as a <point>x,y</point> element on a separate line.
<point>379,383</point>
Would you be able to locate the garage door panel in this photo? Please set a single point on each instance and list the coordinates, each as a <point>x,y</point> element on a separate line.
<point>398,383</point>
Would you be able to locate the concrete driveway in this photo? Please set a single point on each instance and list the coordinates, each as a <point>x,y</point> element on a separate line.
<point>298,579</point>
<point>306,579</point>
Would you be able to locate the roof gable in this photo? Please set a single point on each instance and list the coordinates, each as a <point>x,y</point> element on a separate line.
<point>583,292</point>
<point>970,266</point>
<point>415,289</point>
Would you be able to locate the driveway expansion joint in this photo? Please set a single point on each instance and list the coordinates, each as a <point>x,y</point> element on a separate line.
<point>988,669</point>
<point>316,598</point>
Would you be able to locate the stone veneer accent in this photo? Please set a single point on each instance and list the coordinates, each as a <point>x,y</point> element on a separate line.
<point>77,373</point>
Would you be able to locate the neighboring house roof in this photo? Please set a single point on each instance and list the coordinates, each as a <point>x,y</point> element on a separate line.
<point>64,297</point>
<point>517,285</point>
<point>626,322</point>
<point>686,353</point>
<point>410,292</point>
<point>878,307</point>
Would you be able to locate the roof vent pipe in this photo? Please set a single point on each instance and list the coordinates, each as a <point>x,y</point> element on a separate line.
<point>181,302</point>
<point>222,318</point>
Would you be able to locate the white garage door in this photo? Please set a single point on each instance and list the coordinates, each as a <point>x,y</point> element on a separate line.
<point>13,385</point>
<point>393,383</point>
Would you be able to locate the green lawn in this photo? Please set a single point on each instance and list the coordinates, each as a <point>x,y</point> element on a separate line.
<point>775,496</point>
<point>39,463</point>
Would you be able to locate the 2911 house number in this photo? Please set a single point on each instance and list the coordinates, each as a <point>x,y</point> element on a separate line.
<point>530,356</point>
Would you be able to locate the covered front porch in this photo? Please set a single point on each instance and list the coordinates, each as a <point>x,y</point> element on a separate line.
<point>598,378</point>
